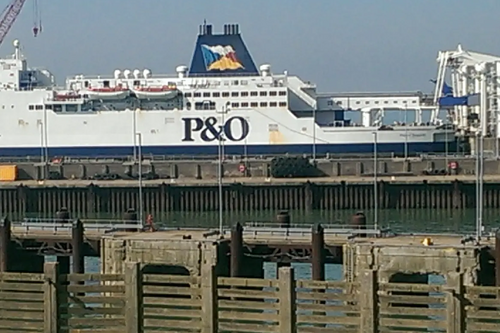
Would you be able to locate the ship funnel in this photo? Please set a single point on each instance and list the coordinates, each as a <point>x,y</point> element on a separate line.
<point>137,73</point>
<point>181,71</point>
<point>146,73</point>
<point>265,70</point>
<point>126,73</point>
<point>117,74</point>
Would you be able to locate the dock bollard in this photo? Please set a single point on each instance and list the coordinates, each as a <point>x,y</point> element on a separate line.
<point>358,221</point>
<point>283,218</point>
<point>77,246</point>
<point>318,252</point>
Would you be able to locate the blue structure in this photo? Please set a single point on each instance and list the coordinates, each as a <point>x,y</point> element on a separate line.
<point>448,100</point>
<point>221,54</point>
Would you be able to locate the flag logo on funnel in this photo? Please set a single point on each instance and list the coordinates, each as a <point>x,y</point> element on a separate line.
<point>220,58</point>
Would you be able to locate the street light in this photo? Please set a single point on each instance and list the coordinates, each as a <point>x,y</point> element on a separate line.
<point>314,132</point>
<point>220,151</point>
<point>479,183</point>
<point>406,130</point>
<point>375,180</point>
<point>141,201</point>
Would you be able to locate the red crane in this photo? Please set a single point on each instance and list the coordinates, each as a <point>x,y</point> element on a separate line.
<point>10,14</point>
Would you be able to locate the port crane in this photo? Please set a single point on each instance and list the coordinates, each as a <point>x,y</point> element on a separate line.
<point>12,11</point>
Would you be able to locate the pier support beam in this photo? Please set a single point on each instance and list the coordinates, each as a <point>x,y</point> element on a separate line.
<point>63,264</point>
<point>77,246</point>
<point>318,253</point>
<point>497,258</point>
<point>237,250</point>
<point>5,236</point>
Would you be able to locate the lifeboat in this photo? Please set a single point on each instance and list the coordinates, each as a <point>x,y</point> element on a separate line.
<point>108,93</point>
<point>164,92</point>
<point>67,96</point>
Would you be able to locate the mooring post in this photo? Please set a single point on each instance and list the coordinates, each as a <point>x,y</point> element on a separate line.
<point>318,252</point>
<point>497,258</point>
<point>4,243</point>
<point>77,245</point>
<point>236,250</point>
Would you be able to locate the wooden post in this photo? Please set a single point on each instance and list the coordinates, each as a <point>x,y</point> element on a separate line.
<point>133,297</point>
<point>288,304</point>
<point>368,300</point>
<point>210,311</point>
<point>5,236</point>
<point>51,302</point>
<point>454,307</point>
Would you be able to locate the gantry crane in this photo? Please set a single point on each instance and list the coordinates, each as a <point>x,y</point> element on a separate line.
<point>10,14</point>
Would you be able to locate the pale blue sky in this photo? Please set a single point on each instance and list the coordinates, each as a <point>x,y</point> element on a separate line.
<point>342,45</point>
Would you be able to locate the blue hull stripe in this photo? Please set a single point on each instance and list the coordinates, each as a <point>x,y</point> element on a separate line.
<point>397,148</point>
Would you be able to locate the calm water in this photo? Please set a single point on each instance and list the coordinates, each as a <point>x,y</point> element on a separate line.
<point>413,220</point>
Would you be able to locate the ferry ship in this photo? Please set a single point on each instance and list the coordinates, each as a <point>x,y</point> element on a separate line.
<point>222,99</point>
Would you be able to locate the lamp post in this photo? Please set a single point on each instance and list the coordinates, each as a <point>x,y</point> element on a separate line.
<point>375,180</point>
<point>479,183</point>
<point>141,201</point>
<point>220,150</point>
<point>314,133</point>
<point>406,131</point>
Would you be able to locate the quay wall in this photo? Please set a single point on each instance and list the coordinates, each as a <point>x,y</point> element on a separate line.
<point>88,199</point>
<point>89,169</point>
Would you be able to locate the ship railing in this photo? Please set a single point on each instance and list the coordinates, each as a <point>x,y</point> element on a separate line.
<point>62,225</point>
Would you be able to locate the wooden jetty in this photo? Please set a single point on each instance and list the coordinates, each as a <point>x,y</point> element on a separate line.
<point>138,301</point>
<point>203,280</point>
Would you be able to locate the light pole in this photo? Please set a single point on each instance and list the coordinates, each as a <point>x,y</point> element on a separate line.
<point>141,201</point>
<point>375,181</point>
<point>220,138</point>
<point>406,131</point>
<point>314,133</point>
<point>479,184</point>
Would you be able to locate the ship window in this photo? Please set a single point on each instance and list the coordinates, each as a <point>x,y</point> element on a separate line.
<point>330,103</point>
<point>38,107</point>
<point>57,108</point>
<point>236,82</point>
<point>254,104</point>
<point>263,93</point>
<point>216,94</point>
<point>207,105</point>
<point>86,84</point>
<point>188,94</point>
<point>273,93</point>
<point>244,94</point>
<point>197,94</point>
<point>282,93</point>
<point>376,102</point>
<point>386,102</point>
<point>235,105</point>
<point>234,94</point>
<point>71,108</point>
<point>414,102</point>
<point>244,104</point>
<point>244,82</point>
<point>31,107</point>
<point>282,104</point>
<point>357,102</point>
<point>263,104</point>
<point>367,102</point>
<point>273,104</point>
<point>48,107</point>
<point>188,106</point>
<point>12,106</point>
<point>206,94</point>
<point>105,84</point>
<point>225,94</point>
<point>253,93</point>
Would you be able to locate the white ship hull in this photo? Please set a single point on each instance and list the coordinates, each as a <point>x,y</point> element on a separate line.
<point>185,132</point>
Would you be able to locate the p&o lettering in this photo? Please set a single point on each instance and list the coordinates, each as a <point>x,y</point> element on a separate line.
<point>208,130</point>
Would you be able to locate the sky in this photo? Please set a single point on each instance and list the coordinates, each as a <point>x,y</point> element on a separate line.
<point>341,45</point>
